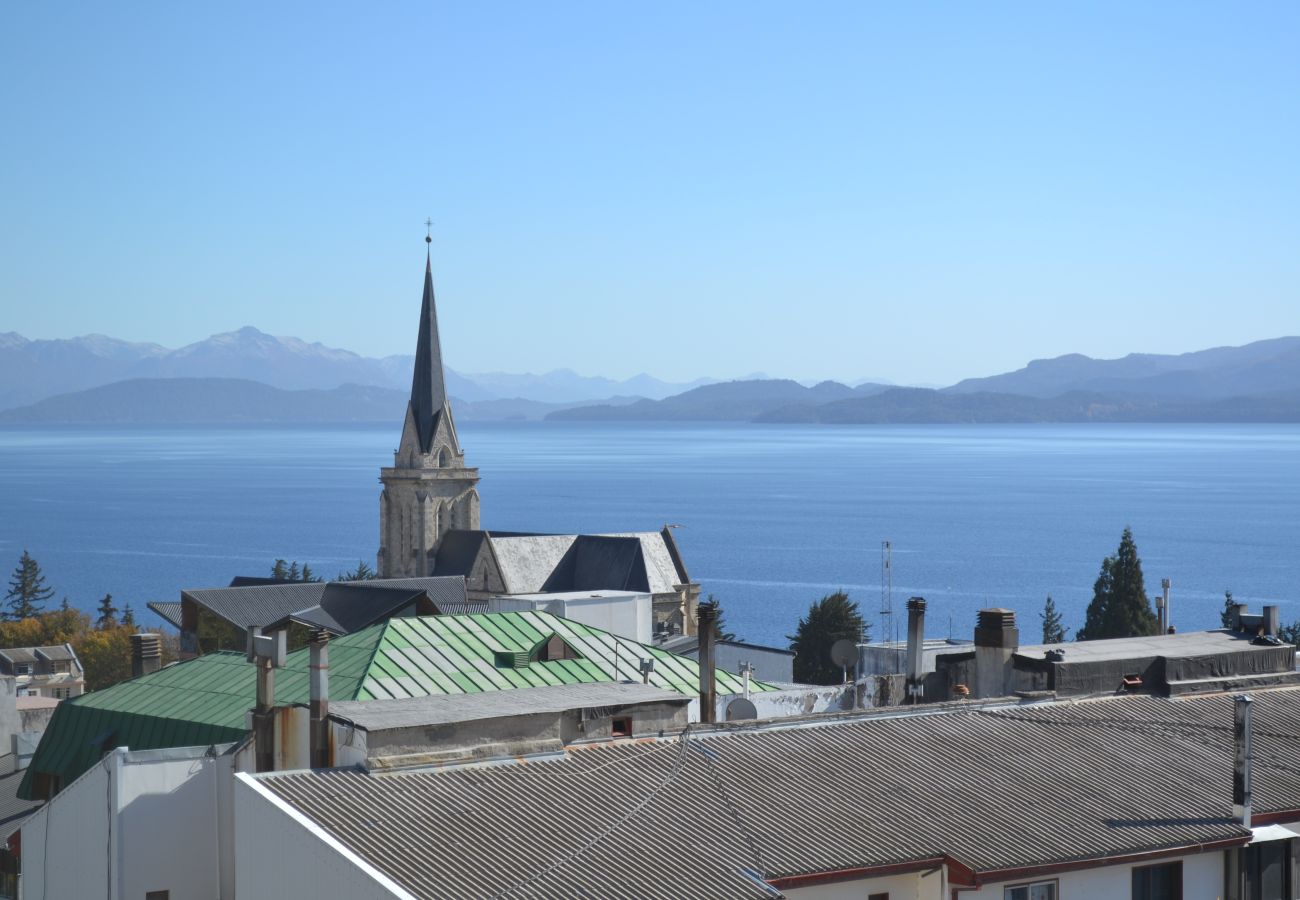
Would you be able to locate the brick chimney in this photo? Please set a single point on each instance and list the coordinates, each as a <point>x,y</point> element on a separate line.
<point>996,639</point>
<point>706,615</point>
<point>146,653</point>
<point>915,645</point>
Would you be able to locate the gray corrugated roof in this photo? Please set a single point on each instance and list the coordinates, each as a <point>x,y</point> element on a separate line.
<point>59,651</point>
<point>259,605</point>
<point>169,610</point>
<point>13,811</point>
<point>19,654</point>
<point>446,709</point>
<point>994,790</point>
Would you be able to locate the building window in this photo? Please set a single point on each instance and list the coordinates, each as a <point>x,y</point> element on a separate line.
<point>23,669</point>
<point>1265,871</point>
<point>1163,882</point>
<point>881,896</point>
<point>61,693</point>
<point>157,895</point>
<point>1038,890</point>
<point>621,727</point>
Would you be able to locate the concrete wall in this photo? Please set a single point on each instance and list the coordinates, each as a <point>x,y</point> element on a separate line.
<point>626,613</point>
<point>137,822</point>
<point>284,856</point>
<point>884,690</point>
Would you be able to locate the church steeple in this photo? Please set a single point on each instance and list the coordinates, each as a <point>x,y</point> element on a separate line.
<point>428,390</point>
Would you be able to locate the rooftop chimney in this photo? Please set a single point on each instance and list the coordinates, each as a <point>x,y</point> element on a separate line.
<point>915,645</point>
<point>1242,762</point>
<point>1272,621</point>
<point>146,653</point>
<point>996,639</point>
<point>319,666</point>
<point>1162,607</point>
<point>706,615</point>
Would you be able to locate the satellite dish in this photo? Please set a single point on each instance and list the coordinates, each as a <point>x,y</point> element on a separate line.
<point>844,653</point>
<point>740,708</point>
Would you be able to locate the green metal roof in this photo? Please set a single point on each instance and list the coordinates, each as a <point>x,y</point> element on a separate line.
<point>204,700</point>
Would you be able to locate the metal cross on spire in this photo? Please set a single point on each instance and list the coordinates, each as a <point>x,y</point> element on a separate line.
<point>428,224</point>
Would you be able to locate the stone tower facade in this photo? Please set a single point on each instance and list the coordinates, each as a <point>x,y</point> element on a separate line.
<point>428,490</point>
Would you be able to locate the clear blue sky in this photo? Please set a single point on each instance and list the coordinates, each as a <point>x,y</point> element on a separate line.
<point>919,191</point>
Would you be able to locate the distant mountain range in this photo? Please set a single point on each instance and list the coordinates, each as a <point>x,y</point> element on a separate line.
<point>249,376</point>
<point>33,370</point>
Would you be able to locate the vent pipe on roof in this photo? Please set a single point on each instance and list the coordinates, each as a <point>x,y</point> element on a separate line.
<point>1242,764</point>
<point>1272,621</point>
<point>319,666</point>
<point>706,615</point>
<point>1162,607</point>
<point>146,653</point>
<point>915,645</point>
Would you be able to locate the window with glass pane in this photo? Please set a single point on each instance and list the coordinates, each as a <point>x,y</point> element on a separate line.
<point>1164,882</point>
<point>1041,890</point>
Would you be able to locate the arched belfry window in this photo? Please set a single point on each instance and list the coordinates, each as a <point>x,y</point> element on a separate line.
<point>442,457</point>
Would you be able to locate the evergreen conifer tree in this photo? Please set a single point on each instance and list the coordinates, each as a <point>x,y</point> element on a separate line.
<point>107,613</point>
<point>1053,630</point>
<point>128,616</point>
<point>1229,614</point>
<point>1119,606</point>
<point>280,571</point>
<point>294,574</point>
<point>362,572</point>
<point>832,618</point>
<point>27,590</point>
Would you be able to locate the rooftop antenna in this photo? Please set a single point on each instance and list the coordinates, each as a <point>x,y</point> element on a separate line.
<point>887,634</point>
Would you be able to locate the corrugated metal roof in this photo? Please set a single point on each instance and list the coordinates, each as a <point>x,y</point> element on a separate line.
<point>993,790</point>
<point>13,811</point>
<point>203,701</point>
<point>168,610</point>
<point>448,708</point>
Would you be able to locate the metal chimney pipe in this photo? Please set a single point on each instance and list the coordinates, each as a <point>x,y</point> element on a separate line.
<point>1272,620</point>
<point>706,615</point>
<point>1243,764</point>
<point>1166,614</point>
<point>915,644</point>
<point>319,667</point>
<point>146,653</point>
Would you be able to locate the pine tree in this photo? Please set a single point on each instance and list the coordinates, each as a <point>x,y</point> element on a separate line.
<point>27,590</point>
<point>107,613</point>
<point>128,616</point>
<point>280,571</point>
<point>362,572</point>
<point>308,574</point>
<point>720,632</point>
<point>1229,614</point>
<point>832,618</point>
<point>1119,606</point>
<point>294,575</point>
<point>1053,630</point>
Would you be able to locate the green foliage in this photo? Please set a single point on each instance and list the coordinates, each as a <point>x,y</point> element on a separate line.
<point>27,590</point>
<point>1289,634</point>
<point>282,571</point>
<point>720,632</point>
<point>1053,630</point>
<point>128,616</point>
<point>1119,606</point>
<point>107,613</point>
<point>832,618</point>
<point>1229,614</point>
<point>362,572</point>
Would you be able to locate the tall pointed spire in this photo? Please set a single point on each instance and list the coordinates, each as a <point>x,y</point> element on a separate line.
<point>428,390</point>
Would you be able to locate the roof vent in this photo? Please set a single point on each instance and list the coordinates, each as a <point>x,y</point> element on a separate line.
<point>512,659</point>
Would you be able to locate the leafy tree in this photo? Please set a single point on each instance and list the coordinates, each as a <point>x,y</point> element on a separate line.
<point>1229,614</point>
<point>362,572</point>
<point>1053,630</point>
<point>128,617</point>
<point>832,618</point>
<point>27,589</point>
<point>107,613</point>
<point>1119,606</point>
<point>105,655</point>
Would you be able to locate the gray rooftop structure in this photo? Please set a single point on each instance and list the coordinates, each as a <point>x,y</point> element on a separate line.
<point>454,708</point>
<point>745,808</point>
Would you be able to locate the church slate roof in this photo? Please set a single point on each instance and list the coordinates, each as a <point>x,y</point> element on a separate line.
<point>428,391</point>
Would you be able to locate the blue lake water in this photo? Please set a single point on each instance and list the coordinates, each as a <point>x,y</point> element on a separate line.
<point>773,517</point>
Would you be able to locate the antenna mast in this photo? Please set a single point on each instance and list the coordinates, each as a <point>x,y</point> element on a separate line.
<point>886,594</point>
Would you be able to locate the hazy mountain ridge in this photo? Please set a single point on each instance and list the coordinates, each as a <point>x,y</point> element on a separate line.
<point>33,370</point>
<point>228,401</point>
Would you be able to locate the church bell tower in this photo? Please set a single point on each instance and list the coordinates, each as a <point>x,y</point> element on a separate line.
<point>428,490</point>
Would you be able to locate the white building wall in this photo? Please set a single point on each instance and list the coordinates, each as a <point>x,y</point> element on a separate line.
<point>911,886</point>
<point>137,822</point>
<point>282,855</point>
